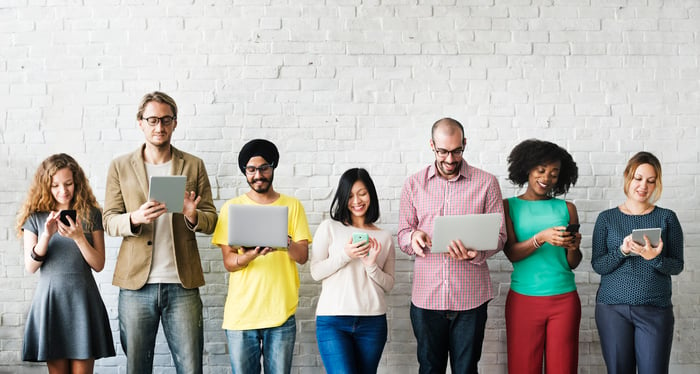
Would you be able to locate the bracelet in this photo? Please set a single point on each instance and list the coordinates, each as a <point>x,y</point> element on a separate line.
<point>535,243</point>
<point>35,256</point>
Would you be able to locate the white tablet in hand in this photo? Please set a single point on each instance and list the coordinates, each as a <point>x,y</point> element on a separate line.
<point>169,190</point>
<point>654,235</point>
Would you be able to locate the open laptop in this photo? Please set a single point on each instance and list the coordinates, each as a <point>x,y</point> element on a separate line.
<point>168,189</point>
<point>257,226</point>
<point>478,231</point>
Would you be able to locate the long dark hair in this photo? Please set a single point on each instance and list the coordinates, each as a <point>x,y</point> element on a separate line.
<point>339,205</point>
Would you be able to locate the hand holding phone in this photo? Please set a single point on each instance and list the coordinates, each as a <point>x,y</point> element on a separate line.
<point>360,237</point>
<point>572,228</point>
<point>67,213</point>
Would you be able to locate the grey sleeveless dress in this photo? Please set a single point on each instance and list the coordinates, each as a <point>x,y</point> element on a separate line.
<point>67,318</point>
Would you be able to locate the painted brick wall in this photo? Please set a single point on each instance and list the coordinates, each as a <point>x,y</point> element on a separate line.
<point>345,83</point>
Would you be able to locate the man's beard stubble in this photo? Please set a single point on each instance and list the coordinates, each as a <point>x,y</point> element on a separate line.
<point>265,187</point>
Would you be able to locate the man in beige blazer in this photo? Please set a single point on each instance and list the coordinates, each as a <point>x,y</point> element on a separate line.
<point>158,268</point>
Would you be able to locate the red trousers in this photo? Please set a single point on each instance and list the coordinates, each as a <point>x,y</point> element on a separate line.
<point>543,329</point>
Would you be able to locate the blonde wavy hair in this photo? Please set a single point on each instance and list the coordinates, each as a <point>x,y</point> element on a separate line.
<point>40,199</point>
<point>638,159</point>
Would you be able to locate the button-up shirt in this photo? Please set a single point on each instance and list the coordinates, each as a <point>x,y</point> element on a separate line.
<point>439,281</point>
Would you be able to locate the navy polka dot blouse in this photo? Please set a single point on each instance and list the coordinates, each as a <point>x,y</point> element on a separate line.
<point>632,279</point>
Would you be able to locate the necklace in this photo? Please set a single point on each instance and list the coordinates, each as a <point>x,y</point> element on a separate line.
<point>635,213</point>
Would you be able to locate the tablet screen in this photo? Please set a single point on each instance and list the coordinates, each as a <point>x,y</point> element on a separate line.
<point>654,234</point>
<point>170,190</point>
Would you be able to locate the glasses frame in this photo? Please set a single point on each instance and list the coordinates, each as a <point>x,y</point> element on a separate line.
<point>160,120</point>
<point>443,153</point>
<point>263,169</point>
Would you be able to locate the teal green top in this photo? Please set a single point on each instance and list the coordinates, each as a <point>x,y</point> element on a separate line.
<point>545,272</point>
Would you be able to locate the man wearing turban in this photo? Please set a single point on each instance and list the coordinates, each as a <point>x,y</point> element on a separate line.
<point>263,288</point>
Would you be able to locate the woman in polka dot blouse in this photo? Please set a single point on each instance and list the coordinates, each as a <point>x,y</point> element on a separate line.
<point>633,310</point>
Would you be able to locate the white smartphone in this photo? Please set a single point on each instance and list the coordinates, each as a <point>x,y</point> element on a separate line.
<point>654,235</point>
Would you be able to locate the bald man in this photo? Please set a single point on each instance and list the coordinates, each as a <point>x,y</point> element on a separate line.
<point>450,291</point>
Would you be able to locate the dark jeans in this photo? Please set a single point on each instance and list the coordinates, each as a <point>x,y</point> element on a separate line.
<point>457,333</point>
<point>635,336</point>
<point>351,344</point>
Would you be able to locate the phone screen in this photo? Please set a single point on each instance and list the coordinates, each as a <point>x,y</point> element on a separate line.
<point>573,227</point>
<point>66,213</point>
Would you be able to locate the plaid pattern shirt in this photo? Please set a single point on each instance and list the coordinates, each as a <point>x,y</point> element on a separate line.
<point>439,281</point>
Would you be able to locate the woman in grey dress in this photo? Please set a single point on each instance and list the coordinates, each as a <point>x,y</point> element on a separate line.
<point>67,326</point>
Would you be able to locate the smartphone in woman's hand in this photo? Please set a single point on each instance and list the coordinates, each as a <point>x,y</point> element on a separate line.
<point>67,213</point>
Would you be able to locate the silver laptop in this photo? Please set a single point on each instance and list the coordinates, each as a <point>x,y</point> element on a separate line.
<point>168,189</point>
<point>257,226</point>
<point>478,231</point>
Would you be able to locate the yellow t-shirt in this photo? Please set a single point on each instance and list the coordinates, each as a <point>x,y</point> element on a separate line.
<point>266,292</point>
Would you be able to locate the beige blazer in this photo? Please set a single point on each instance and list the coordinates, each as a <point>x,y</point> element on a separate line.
<point>126,191</point>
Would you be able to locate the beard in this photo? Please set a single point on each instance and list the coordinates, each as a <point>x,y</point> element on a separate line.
<point>441,167</point>
<point>266,185</point>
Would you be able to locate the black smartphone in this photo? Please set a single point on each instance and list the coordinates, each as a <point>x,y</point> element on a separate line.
<point>67,213</point>
<point>573,228</point>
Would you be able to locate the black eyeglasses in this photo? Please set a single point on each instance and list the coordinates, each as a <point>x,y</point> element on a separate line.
<point>164,121</point>
<point>264,168</point>
<point>443,152</point>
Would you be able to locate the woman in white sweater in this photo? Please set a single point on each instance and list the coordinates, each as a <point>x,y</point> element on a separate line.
<point>351,327</point>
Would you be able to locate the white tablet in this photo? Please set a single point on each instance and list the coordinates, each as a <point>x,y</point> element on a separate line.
<point>257,226</point>
<point>477,231</point>
<point>169,189</point>
<point>654,234</point>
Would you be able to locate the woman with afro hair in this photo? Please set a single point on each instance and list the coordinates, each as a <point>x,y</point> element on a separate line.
<point>543,309</point>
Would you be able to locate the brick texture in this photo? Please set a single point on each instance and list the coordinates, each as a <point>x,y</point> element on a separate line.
<point>346,83</point>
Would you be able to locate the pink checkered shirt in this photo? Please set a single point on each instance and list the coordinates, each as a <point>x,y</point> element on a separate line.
<point>440,282</point>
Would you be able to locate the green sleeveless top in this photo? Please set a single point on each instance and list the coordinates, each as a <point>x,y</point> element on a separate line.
<point>545,272</point>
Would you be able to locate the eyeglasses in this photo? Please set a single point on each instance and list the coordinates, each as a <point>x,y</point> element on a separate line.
<point>443,152</point>
<point>264,168</point>
<point>164,121</point>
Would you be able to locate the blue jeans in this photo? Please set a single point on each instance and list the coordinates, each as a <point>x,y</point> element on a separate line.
<point>180,310</point>
<point>275,344</point>
<point>457,333</point>
<point>351,344</point>
<point>635,336</point>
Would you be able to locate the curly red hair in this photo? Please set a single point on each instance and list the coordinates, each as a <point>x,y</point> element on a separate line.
<point>40,199</point>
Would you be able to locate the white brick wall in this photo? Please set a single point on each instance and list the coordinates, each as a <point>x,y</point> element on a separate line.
<point>338,84</point>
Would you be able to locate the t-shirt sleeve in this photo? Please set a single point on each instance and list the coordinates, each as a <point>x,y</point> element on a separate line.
<point>298,225</point>
<point>31,224</point>
<point>96,219</point>
<point>220,235</point>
